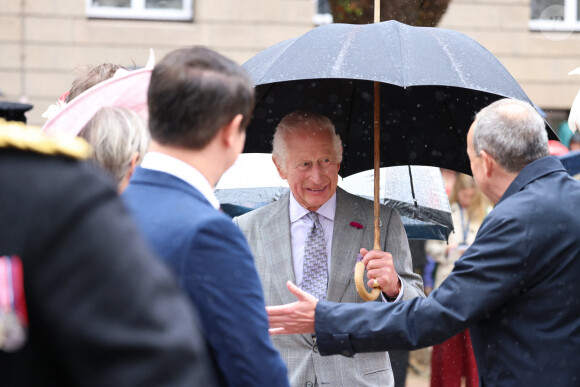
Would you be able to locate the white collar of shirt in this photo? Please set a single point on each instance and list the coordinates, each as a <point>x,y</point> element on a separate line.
<point>327,210</point>
<point>175,167</point>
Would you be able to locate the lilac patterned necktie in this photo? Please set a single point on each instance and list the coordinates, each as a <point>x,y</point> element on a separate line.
<point>315,276</point>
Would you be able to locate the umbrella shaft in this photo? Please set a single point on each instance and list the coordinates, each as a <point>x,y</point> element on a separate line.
<point>377,162</point>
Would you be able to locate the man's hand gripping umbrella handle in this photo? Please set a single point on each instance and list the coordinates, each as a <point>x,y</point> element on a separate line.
<point>359,271</point>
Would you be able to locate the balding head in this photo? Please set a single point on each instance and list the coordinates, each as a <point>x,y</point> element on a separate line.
<point>512,132</point>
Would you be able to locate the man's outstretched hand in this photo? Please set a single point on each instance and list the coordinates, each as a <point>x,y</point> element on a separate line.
<point>297,317</point>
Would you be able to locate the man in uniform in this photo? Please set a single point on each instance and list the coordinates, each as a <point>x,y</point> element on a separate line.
<point>82,300</point>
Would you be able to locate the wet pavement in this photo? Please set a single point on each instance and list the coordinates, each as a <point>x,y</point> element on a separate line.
<point>414,380</point>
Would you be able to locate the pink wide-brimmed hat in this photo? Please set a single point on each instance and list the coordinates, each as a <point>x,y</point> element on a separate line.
<point>125,89</point>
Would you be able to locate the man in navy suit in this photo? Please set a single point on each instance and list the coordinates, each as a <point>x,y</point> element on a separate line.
<point>516,288</point>
<point>199,106</point>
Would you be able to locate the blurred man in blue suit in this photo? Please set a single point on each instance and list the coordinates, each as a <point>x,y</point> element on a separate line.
<point>516,288</point>
<point>199,106</point>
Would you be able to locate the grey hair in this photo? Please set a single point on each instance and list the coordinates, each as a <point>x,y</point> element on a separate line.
<point>512,132</point>
<point>298,122</point>
<point>115,134</point>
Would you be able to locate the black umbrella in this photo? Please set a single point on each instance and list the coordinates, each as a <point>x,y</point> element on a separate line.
<point>432,82</point>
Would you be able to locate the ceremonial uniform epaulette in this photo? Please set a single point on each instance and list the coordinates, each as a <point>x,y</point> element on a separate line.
<point>17,135</point>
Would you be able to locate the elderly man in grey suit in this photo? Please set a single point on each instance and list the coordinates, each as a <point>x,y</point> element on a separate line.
<point>312,236</point>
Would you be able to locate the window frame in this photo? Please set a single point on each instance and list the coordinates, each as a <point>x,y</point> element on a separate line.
<point>571,20</point>
<point>320,18</point>
<point>139,12</point>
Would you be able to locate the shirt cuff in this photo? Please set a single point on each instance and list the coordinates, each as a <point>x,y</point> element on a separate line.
<point>399,297</point>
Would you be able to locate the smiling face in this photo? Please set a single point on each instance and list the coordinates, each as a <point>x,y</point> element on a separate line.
<point>311,168</point>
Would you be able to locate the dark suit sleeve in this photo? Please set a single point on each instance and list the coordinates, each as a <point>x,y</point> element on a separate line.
<point>106,310</point>
<point>221,278</point>
<point>484,278</point>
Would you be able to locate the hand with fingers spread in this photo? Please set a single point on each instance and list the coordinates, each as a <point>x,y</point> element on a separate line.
<point>297,317</point>
<point>380,269</point>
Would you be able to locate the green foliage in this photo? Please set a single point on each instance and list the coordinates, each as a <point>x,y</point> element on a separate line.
<point>412,12</point>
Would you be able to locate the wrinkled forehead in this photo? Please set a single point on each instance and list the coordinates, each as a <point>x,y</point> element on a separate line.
<point>311,146</point>
<point>308,134</point>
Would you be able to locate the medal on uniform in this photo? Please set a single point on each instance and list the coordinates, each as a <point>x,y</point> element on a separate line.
<point>13,314</point>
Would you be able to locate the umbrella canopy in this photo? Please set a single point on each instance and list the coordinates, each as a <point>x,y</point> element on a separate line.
<point>253,182</point>
<point>416,192</point>
<point>433,81</point>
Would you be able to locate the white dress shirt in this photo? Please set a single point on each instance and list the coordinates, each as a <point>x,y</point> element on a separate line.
<point>175,167</point>
<point>300,226</point>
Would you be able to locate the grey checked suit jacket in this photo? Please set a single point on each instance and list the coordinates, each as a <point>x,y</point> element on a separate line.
<point>268,233</point>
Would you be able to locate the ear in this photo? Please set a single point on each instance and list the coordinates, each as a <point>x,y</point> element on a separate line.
<point>133,162</point>
<point>132,165</point>
<point>489,163</point>
<point>231,131</point>
<point>281,172</point>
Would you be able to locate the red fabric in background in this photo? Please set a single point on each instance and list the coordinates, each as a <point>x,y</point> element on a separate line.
<point>453,359</point>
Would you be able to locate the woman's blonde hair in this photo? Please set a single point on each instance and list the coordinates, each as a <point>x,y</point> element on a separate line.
<point>479,205</point>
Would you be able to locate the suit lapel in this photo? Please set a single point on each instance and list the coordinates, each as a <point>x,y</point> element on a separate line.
<point>276,236</point>
<point>276,233</point>
<point>346,242</point>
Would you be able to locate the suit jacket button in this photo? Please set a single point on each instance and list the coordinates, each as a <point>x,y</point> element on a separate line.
<point>315,348</point>
<point>309,384</point>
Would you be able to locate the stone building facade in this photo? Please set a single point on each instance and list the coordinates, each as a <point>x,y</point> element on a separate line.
<point>42,41</point>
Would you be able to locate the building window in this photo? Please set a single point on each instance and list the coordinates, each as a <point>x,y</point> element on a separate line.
<point>555,15</point>
<point>322,13</point>
<point>140,9</point>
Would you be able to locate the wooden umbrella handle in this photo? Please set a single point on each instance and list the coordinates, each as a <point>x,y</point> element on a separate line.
<point>359,271</point>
